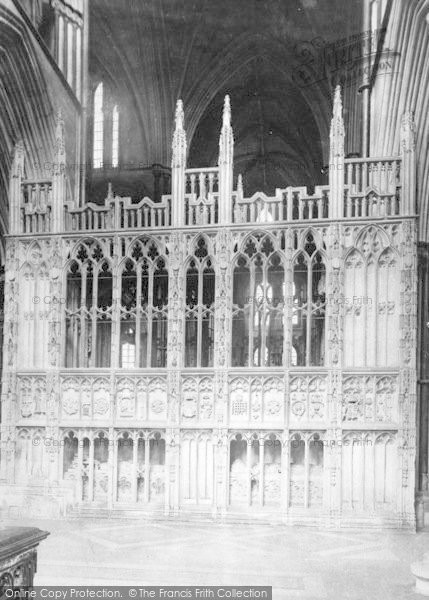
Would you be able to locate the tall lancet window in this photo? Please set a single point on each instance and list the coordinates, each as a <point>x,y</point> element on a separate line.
<point>143,312</point>
<point>98,138</point>
<point>258,305</point>
<point>88,311</point>
<point>309,302</point>
<point>115,137</point>
<point>200,297</point>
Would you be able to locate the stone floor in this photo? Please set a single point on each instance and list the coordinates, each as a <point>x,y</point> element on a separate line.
<point>299,563</point>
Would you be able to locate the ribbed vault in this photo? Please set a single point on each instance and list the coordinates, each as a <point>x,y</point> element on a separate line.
<point>151,53</point>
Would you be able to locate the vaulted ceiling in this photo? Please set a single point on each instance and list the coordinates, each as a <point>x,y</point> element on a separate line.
<point>152,52</point>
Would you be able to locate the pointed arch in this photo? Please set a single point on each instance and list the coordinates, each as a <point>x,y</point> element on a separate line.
<point>309,300</point>
<point>200,280</point>
<point>258,299</point>
<point>371,301</point>
<point>88,281</point>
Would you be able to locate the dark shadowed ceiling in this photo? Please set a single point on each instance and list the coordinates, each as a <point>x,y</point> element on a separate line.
<point>152,52</point>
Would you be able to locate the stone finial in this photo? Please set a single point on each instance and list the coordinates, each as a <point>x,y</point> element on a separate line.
<point>337,125</point>
<point>240,185</point>
<point>226,139</point>
<point>226,118</point>
<point>338,104</point>
<point>179,138</point>
<point>179,116</point>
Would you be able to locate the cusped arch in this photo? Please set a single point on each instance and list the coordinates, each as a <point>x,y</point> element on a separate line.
<point>372,239</point>
<point>354,258</point>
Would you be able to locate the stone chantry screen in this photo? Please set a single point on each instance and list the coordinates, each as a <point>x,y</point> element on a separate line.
<point>212,352</point>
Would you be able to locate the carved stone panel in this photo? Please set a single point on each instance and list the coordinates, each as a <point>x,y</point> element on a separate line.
<point>372,399</point>
<point>197,402</point>
<point>308,399</point>
<point>32,396</point>
<point>85,397</point>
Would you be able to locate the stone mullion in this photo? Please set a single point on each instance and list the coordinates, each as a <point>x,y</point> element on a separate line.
<point>175,352</point>
<point>334,359</point>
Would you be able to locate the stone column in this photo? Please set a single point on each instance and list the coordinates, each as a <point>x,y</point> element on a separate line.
<point>174,363</point>
<point>408,164</point>
<point>220,496</point>
<point>17,173</point>
<point>334,324</point>
<point>10,361</point>
<point>423,363</point>
<point>58,177</point>
<point>222,359</point>
<point>407,374</point>
<point>172,448</point>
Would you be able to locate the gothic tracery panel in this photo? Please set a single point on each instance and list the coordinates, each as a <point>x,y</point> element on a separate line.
<point>308,396</point>
<point>197,399</point>
<point>85,397</point>
<point>370,399</point>
<point>371,301</point>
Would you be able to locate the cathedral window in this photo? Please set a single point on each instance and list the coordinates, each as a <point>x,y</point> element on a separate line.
<point>70,35</point>
<point>258,302</point>
<point>88,308</point>
<point>98,137</point>
<point>309,302</point>
<point>115,137</point>
<point>143,308</point>
<point>61,42</point>
<point>200,297</point>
